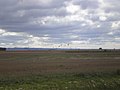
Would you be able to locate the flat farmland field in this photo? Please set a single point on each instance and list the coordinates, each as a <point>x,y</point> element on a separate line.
<point>60,70</point>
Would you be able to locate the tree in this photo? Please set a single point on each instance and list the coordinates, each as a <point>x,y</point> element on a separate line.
<point>100,48</point>
<point>2,49</point>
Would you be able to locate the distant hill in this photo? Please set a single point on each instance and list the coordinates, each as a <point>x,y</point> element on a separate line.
<point>33,49</point>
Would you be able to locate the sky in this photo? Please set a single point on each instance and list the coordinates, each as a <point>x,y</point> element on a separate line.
<point>60,23</point>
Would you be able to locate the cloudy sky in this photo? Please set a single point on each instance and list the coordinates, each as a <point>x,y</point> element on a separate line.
<point>60,23</point>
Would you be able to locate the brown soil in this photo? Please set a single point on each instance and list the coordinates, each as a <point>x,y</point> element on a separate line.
<point>42,62</point>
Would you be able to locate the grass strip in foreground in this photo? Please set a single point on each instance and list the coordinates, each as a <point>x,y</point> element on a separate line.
<point>82,81</point>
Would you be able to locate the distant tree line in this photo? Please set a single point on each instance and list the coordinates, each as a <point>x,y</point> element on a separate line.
<point>2,49</point>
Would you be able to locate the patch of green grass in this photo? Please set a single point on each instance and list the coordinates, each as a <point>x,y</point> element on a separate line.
<point>95,81</point>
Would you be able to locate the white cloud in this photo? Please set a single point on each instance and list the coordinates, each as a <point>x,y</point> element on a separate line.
<point>72,8</point>
<point>103,18</point>
<point>117,38</point>
<point>116,25</point>
<point>111,45</point>
<point>74,36</point>
<point>79,42</point>
<point>35,2</point>
<point>20,13</point>
<point>6,33</point>
<point>110,33</point>
<point>10,34</point>
<point>10,39</point>
<point>98,26</point>
<point>44,1</point>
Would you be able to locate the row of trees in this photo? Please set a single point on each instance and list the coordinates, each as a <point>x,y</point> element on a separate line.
<point>2,49</point>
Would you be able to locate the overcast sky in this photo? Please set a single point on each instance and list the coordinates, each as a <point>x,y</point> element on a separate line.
<point>60,23</point>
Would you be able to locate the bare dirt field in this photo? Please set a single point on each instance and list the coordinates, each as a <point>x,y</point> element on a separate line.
<point>58,61</point>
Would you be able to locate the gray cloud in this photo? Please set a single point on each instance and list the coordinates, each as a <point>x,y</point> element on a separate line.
<point>85,4</point>
<point>54,22</point>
